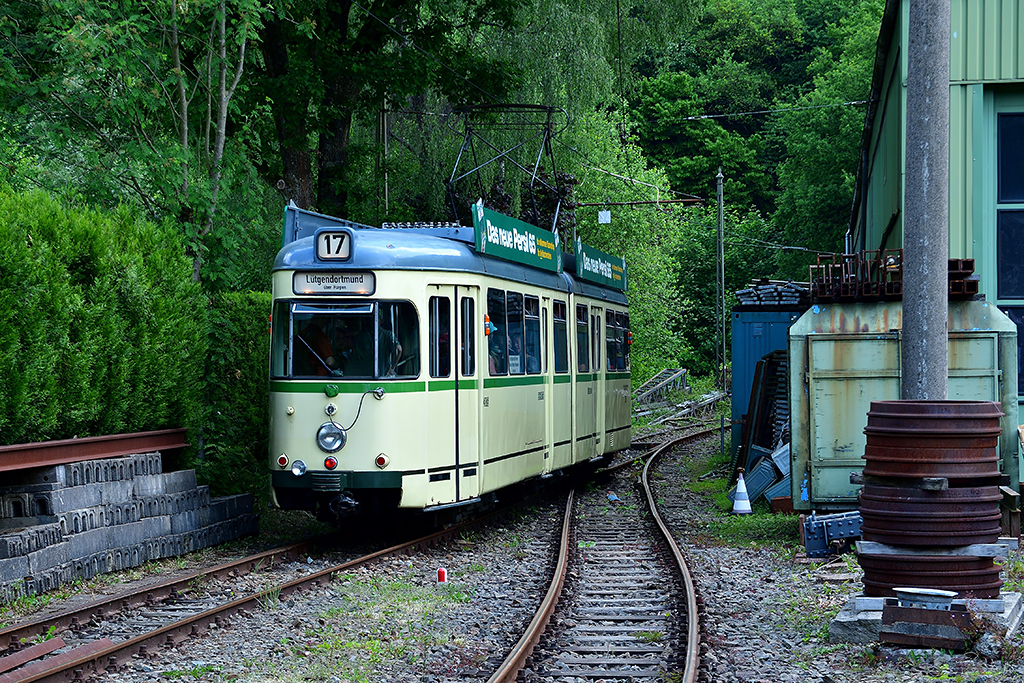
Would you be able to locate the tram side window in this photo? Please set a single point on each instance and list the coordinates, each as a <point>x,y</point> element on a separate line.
<point>561,337</point>
<point>440,344</point>
<point>622,359</point>
<point>544,338</point>
<point>468,340</point>
<point>280,324</point>
<point>582,343</point>
<point>514,312</point>
<point>615,330</point>
<point>497,340</point>
<point>532,345</point>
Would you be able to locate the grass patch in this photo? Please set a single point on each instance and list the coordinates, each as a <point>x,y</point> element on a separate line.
<point>760,527</point>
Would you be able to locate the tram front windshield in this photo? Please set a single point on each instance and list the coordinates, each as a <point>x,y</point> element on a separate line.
<point>359,341</point>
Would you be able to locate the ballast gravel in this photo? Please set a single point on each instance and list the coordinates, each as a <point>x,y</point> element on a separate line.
<point>392,621</point>
<point>765,612</point>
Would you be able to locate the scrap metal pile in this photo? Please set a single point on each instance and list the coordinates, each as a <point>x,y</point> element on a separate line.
<point>659,399</point>
<point>878,276</point>
<point>764,451</point>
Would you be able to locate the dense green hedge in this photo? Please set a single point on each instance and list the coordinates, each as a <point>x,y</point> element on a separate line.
<point>101,328</point>
<point>234,454</point>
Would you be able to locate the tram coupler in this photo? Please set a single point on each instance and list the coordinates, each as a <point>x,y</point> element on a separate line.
<point>343,505</point>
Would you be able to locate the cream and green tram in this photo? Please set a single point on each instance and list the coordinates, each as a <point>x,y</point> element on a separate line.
<point>409,370</point>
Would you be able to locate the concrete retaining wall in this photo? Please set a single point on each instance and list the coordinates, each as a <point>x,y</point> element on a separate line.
<point>70,522</point>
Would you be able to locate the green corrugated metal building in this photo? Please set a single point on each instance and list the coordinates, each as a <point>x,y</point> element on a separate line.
<point>986,146</point>
<point>844,355</point>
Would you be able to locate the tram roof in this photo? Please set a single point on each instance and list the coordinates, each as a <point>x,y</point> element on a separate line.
<point>435,249</point>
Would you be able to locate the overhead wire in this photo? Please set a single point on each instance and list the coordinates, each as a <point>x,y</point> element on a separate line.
<point>629,182</point>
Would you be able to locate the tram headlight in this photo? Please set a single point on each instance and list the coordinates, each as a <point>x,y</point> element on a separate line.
<point>331,437</point>
<point>298,468</point>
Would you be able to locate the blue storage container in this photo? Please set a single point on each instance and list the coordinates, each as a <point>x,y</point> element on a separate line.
<point>755,333</point>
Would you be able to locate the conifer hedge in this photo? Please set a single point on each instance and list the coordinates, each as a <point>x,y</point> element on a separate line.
<point>102,330</point>
<point>236,432</point>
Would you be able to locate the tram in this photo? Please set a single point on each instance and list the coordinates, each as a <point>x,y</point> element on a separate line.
<point>425,366</point>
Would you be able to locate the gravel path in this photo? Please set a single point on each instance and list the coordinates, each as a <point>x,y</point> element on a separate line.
<point>766,614</point>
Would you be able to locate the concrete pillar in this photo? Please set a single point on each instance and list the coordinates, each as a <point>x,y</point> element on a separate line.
<point>926,204</point>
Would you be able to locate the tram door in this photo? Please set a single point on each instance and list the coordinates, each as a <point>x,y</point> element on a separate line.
<point>600,390</point>
<point>453,404</point>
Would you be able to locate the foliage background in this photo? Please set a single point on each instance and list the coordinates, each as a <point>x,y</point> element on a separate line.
<point>147,150</point>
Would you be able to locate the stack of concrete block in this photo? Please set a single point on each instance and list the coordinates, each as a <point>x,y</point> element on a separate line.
<point>68,522</point>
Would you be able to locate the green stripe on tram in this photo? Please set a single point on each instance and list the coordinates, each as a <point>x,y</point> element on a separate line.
<point>449,385</point>
<point>390,386</point>
<point>618,375</point>
<point>513,381</point>
<point>563,379</point>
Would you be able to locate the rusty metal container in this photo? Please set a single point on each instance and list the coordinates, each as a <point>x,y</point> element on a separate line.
<point>958,440</point>
<point>912,517</point>
<point>844,356</point>
<point>976,576</point>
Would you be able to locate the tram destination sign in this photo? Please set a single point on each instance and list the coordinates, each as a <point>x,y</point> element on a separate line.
<point>326,282</point>
<point>600,268</point>
<point>506,238</point>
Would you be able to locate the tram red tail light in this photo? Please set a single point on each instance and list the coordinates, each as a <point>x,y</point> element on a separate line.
<point>330,462</point>
<point>282,460</point>
<point>381,461</point>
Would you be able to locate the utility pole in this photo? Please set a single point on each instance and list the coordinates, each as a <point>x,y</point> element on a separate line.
<point>720,279</point>
<point>925,350</point>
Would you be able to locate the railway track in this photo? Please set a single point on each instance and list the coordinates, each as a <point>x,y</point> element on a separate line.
<point>621,605</point>
<point>102,636</point>
<point>107,633</point>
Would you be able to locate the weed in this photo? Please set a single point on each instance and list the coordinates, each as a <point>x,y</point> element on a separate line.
<point>649,636</point>
<point>477,567</point>
<point>1013,651</point>
<point>586,544</point>
<point>1014,568</point>
<point>195,672</point>
<point>270,599</point>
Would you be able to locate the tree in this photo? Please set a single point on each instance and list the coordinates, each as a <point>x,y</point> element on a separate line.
<point>325,63</point>
<point>822,142</point>
<point>132,100</point>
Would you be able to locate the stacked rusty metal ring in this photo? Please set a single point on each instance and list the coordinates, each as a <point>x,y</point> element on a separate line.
<point>955,517</point>
<point>976,577</point>
<point>913,440</point>
<point>957,440</point>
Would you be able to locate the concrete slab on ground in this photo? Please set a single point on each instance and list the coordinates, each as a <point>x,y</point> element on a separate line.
<point>860,620</point>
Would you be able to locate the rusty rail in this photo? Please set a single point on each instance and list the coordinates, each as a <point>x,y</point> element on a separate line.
<point>516,660</point>
<point>101,658</point>
<point>65,451</point>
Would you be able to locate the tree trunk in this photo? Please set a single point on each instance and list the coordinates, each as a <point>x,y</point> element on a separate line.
<point>288,105</point>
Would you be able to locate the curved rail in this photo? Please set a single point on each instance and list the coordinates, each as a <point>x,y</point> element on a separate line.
<point>509,669</point>
<point>104,654</point>
<point>516,660</point>
<point>29,630</point>
<point>692,626</point>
